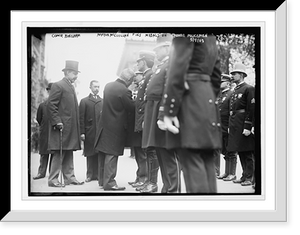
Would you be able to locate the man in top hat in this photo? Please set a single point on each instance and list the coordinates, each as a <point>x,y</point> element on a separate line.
<point>64,116</point>
<point>111,139</point>
<point>241,110</point>
<point>191,111</point>
<point>90,109</point>
<point>145,63</point>
<point>42,119</point>
<point>155,136</point>
<point>223,103</point>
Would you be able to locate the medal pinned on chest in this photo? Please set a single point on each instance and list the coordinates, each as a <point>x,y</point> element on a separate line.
<point>240,95</point>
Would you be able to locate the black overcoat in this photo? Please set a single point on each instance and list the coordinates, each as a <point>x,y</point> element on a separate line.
<point>89,117</point>
<point>117,107</point>
<point>152,135</point>
<point>42,119</point>
<point>194,103</point>
<point>63,108</point>
<point>223,103</point>
<point>242,108</point>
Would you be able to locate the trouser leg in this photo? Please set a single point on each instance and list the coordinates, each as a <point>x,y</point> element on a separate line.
<point>217,162</point>
<point>248,164</point>
<point>141,160</point>
<point>171,168</point>
<point>110,171</point>
<point>55,167</point>
<point>199,170</point>
<point>43,164</point>
<point>92,166</point>
<point>101,162</point>
<point>68,167</point>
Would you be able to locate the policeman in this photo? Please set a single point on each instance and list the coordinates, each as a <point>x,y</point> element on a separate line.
<point>145,63</point>
<point>223,103</point>
<point>153,136</point>
<point>191,110</point>
<point>242,107</point>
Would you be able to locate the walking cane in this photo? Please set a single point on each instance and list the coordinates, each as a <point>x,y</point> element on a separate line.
<point>61,158</point>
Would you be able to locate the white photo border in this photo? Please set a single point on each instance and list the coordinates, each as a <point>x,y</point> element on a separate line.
<point>271,206</point>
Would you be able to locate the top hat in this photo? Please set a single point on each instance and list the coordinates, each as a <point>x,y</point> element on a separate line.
<point>239,68</point>
<point>146,55</point>
<point>164,39</point>
<point>225,77</point>
<point>71,65</point>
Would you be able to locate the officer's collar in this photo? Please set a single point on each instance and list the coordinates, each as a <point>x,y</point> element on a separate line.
<point>238,85</point>
<point>146,71</point>
<point>226,89</point>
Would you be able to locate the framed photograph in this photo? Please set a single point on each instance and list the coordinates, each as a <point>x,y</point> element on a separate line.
<point>99,47</point>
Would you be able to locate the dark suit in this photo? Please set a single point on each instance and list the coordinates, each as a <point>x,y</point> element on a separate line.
<point>42,119</point>
<point>90,109</point>
<point>111,139</point>
<point>63,108</point>
<point>242,107</point>
<point>196,64</point>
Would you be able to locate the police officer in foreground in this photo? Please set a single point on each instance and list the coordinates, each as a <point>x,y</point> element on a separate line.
<point>191,110</point>
<point>223,103</point>
<point>242,108</point>
<point>153,136</point>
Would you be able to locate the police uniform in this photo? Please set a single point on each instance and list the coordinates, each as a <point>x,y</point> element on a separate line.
<point>229,157</point>
<point>153,136</point>
<point>193,83</point>
<point>142,173</point>
<point>242,107</point>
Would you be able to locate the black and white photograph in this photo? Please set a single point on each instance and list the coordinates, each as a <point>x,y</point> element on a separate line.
<point>150,116</point>
<point>144,111</point>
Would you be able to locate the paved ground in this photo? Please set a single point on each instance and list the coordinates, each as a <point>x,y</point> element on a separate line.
<point>126,172</point>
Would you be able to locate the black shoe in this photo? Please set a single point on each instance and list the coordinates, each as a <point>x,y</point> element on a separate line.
<point>238,181</point>
<point>88,180</point>
<point>115,188</point>
<point>56,185</point>
<point>132,182</point>
<point>150,188</point>
<point>246,183</point>
<point>76,183</point>
<point>137,184</point>
<point>222,176</point>
<point>230,178</point>
<point>39,176</point>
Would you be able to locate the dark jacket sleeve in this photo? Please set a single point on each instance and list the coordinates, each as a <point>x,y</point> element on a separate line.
<point>39,114</point>
<point>179,63</point>
<point>82,107</point>
<point>128,102</point>
<point>53,102</point>
<point>250,108</point>
<point>216,78</point>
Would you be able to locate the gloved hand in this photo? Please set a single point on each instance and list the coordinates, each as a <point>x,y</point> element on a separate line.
<point>59,126</point>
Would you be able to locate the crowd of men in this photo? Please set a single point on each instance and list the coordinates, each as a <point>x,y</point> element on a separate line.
<point>177,116</point>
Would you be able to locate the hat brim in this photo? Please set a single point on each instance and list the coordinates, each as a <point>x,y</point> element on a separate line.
<point>161,45</point>
<point>239,71</point>
<point>70,69</point>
